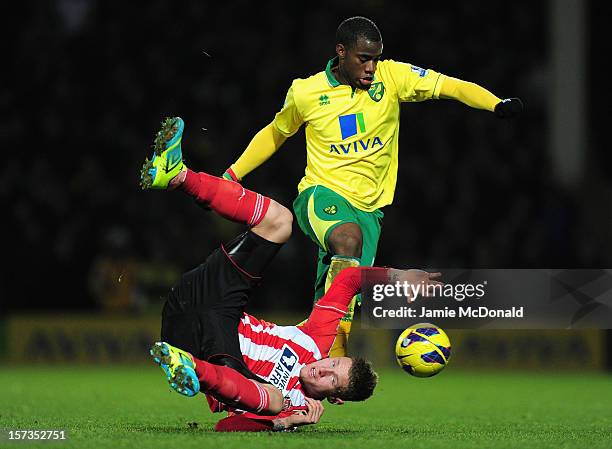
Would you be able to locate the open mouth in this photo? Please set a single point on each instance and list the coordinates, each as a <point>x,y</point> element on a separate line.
<point>366,80</point>
<point>312,372</point>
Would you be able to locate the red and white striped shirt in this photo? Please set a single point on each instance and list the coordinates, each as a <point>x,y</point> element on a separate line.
<point>278,353</point>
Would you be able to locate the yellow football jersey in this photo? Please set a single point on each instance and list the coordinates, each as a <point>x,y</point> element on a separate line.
<point>352,135</point>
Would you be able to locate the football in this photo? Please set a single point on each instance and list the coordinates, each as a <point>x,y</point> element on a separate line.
<point>423,350</point>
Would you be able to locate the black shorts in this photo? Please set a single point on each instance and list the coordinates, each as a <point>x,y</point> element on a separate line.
<point>202,313</point>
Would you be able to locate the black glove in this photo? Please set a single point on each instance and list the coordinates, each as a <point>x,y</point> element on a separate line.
<point>508,108</point>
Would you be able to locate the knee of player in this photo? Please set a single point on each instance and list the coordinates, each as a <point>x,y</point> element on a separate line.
<point>276,400</point>
<point>346,240</point>
<point>280,219</point>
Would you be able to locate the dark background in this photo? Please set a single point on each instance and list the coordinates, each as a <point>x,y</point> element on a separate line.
<point>87,82</point>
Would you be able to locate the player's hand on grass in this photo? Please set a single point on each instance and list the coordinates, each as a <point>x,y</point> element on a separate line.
<point>509,107</point>
<point>312,416</point>
<point>300,417</point>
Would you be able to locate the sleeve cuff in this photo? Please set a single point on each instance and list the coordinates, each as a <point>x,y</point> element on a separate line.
<point>230,175</point>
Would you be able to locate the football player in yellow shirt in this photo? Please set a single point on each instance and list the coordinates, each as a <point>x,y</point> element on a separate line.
<point>351,111</point>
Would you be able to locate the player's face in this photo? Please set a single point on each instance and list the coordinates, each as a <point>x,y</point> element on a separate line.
<point>358,64</point>
<point>324,377</point>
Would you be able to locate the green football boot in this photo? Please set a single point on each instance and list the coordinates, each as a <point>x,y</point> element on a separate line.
<point>167,160</point>
<point>178,366</point>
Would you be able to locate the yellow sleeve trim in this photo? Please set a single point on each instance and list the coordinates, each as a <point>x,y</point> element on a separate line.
<point>438,86</point>
<point>468,93</point>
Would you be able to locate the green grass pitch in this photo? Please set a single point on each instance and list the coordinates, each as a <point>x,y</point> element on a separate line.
<point>133,407</point>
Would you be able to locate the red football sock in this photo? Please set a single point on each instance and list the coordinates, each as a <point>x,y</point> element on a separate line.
<point>228,198</point>
<point>231,387</point>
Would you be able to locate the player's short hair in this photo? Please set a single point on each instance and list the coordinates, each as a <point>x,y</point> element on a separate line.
<point>353,28</point>
<point>362,381</point>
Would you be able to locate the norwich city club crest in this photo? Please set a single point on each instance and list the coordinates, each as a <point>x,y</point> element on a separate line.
<point>330,210</point>
<point>376,91</point>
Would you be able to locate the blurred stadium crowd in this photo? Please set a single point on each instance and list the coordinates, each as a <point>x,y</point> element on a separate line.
<point>89,82</point>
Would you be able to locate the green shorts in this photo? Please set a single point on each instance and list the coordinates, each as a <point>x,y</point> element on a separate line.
<point>319,211</point>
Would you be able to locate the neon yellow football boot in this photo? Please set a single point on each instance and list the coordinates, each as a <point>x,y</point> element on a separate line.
<point>167,160</point>
<point>178,366</point>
